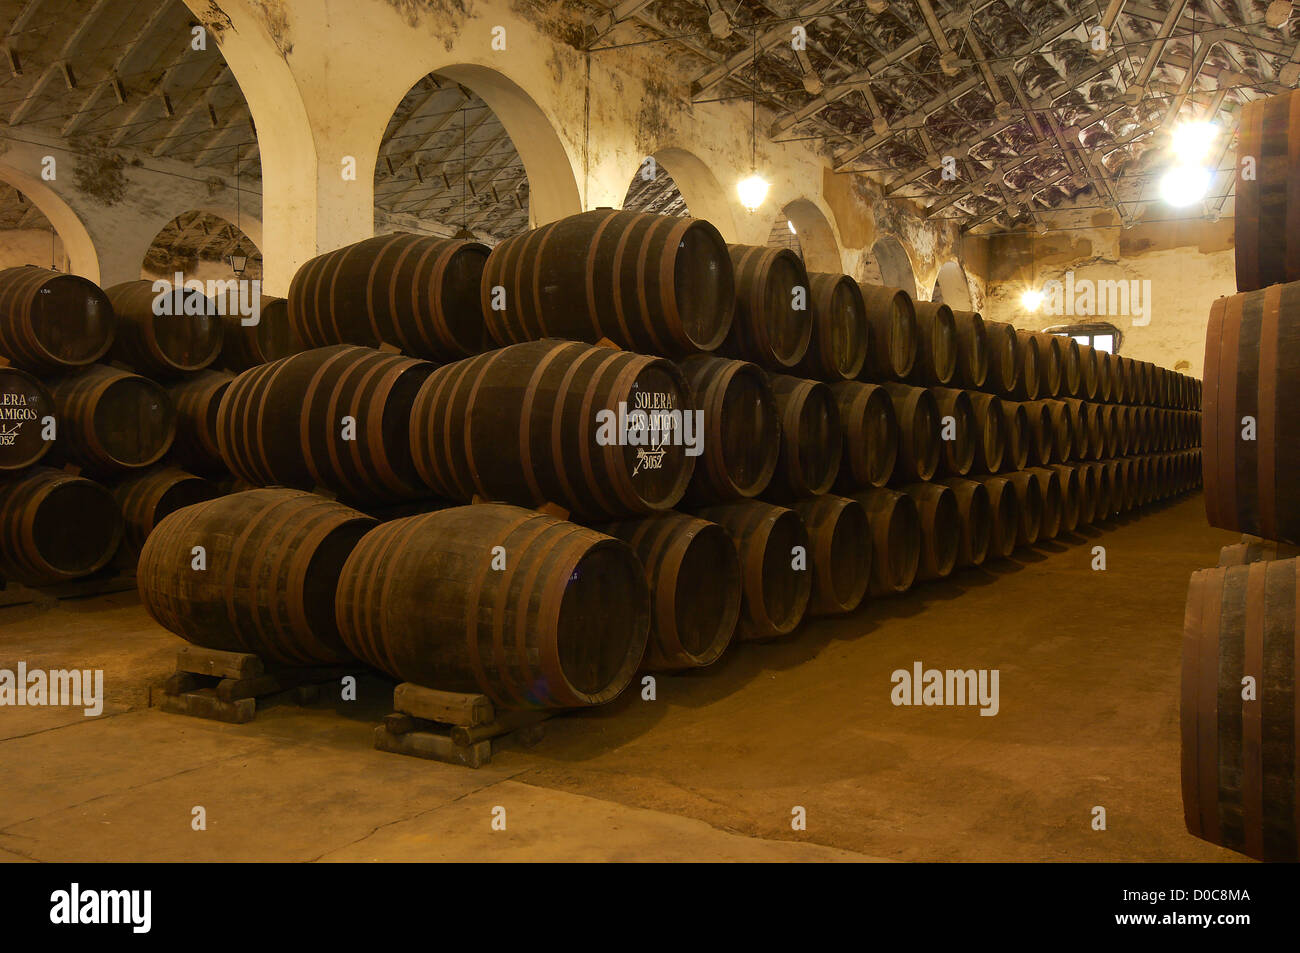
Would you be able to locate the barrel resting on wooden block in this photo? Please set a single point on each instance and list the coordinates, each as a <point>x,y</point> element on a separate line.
<point>226,686</point>
<point>453,727</point>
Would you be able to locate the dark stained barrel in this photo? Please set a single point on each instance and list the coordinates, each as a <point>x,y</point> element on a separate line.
<point>895,539</point>
<point>742,429</point>
<point>1086,436</point>
<point>839,552</point>
<point>1241,739</point>
<point>769,328</point>
<point>540,423</point>
<point>652,283</point>
<point>25,403</point>
<point>248,345</point>
<point>1053,511</point>
<point>1060,417</point>
<point>919,446</point>
<point>1004,358</point>
<point>1100,477</point>
<point>147,498</point>
<point>990,432</point>
<point>1027,385</point>
<point>1252,549</point>
<point>837,349</point>
<point>1041,440</point>
<point>185,337</point>
<point>1087,479</point>
<point>870,431</point>
<point>1071,367</point>
<point>1050,361</point>
<point>1105,376</point>
<point>958,431</point>
<point>1088,372</point>
<point>51,322</point>
<point>776,594</point>
<point>693,572</point>
<point>1252,369</point>
<point>1029,501</point>
<point>811,442</point>
<point>197,400</point>
<point>272,560</point>
<point>111,420</point>
<point>55,526</point>
<point>1072,501</point>
<point>936,360</point>
<point>1004,518</point>
<point>416,292</point>
<point>891,318</point>
<point>975,513</point>
<point>973,359</point>
<point>1018,436</point>
<point>336,416</point>
<point>940,528</point>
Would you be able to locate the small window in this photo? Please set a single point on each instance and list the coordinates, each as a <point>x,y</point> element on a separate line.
<point>1101,335</point>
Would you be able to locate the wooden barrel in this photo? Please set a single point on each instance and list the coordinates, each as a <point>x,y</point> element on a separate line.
<point>940,528</point>
<point>1240,738</point>
<point>55,526</point>
<point>1042,440</point>
<point>936,353</point>
<point>837,350</point>
<point>693,573</point>
<point>1027,385</point>
<point>1072,501</point>
<point>811,438</point>
<point>1018,436</point>
<point>1071,367</point>
<point>895,539</point>
<point>185,337</point>
<point>197,400</point>
<point>653,283</point>
<point>272,559</point>
<point>1004,515</point>
<point>742,429</point>
<point>25,403</point>
<point>1086,437</point>
<point>1105,376</point>
<point>767,538</point>
<point>248,345</point>
<point>891,321</point>
<point>1252,369</point>
<point>1029,502</point>
<point>1089,372</point>
<point>111,420</point>
<point>415,292</point>
<point>1087,478</point>
<point>1004,358</point>
<point>147,498</point>
<point>336,417</point>
<point>839,551</point>
<point>975,514</point>
<point>1050,361</point>
<point>958,431</point>
<point>1054,504</point>
<point>51,322</point>
<point>540,422</point>
<point>918,431</point>
<point>1252,549</point>
<point>1060,417</point>
<point>1109,417</point>
<point>870,431</point>
<point>990,435</point>
<point>770,328</point>
<point>973,360</point>
<point>1120,384</point>
<point>1098,475</point>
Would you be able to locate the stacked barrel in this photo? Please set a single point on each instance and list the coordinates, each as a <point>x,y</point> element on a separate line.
<point>1241,641</point>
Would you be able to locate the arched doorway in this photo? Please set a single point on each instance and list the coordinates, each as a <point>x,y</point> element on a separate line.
<point>200,245</point>
<point>951,287</point>
<point>40,207</point>
<point>892,264</point>
<point>821,252</point>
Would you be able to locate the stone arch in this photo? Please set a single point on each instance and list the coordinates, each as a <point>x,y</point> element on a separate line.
<point>83,259</point>
<point>951,287</point>
<point>821,252</point>
<point>704,195</point>
<point>168,250</point>
<point>893,264</point>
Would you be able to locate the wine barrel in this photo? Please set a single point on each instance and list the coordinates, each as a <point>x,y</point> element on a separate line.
<point>1110,429</point>
<point>1071,367</point>
<point>742,429</point>
<point>839,551</point>
<point>975,513</point>
<point>940,528</point>
<point>147,498</point>
<point>1241,740</point>
<point>653,283</point>
<point>1041,436</point>
<point>55,526</point>
<point>775,593</point>
<point>811,441</point>
<point>164,332</point>
<point>554,421</point>
<point>1105,376</point>
<point>415,292</point>
<point>837,350</point>
<point>1072,502</point>
<point>891,322</point>
<point>1029,502</point>
<point>958,431</point>
<point>990,437</point>
<point>248,345</point>
<point>918,431</point>
<point>1252,549</point>
<point>1053,496</point>
<point>1062,425</point>
<point>870,430</point>
<point>770,328</point>
<point>1004,358</point>
<point>1087,478</point>
<point>936,360</point>
<point>1089,372</point>
<point>1099,476</point>
<point>51,322</point>
<point>197,400</point>
<point>1050,361</point>
<point>25,403</point>
<point>1086,442</point>
<point>895,539</point>
<point>272,559</point>
<point>1027,385</point>
<point>973,360</point>
<point>111,420</point>
<point>1004,515</point>
<point>1018,436</point>
<point>1252,369</point>
<point>693,573</point>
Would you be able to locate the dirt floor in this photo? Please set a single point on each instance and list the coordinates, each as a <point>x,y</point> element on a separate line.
<point>711,769</point>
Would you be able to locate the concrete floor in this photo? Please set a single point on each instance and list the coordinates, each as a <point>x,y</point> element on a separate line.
<point>1089,666</point>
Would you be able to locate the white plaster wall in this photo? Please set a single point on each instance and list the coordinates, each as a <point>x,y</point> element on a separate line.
<point>31,246</point>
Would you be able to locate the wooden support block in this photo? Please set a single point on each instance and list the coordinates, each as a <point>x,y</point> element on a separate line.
<point>205,704</point>
<point>506,721</point>
<point>202,661</point>
<point>553,509</point>
<point>452,708</point>
<point>399,724</point>
<point>233,689</point>
<point>180,682</point>
<point>435,747</point>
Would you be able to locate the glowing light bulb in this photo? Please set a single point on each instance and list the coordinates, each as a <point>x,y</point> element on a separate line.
<point>1185,185</point>
<point>790,225</point>
<point>752,191</point>
<point>1192,141</point>
<point>1031,299</point>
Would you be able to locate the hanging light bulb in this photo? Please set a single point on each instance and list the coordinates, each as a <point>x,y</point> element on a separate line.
<point>752,191</point>
<point>1031,299</point>
<point>1185,185</point>
<point>1192,141</point>
<point>790,225</point>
